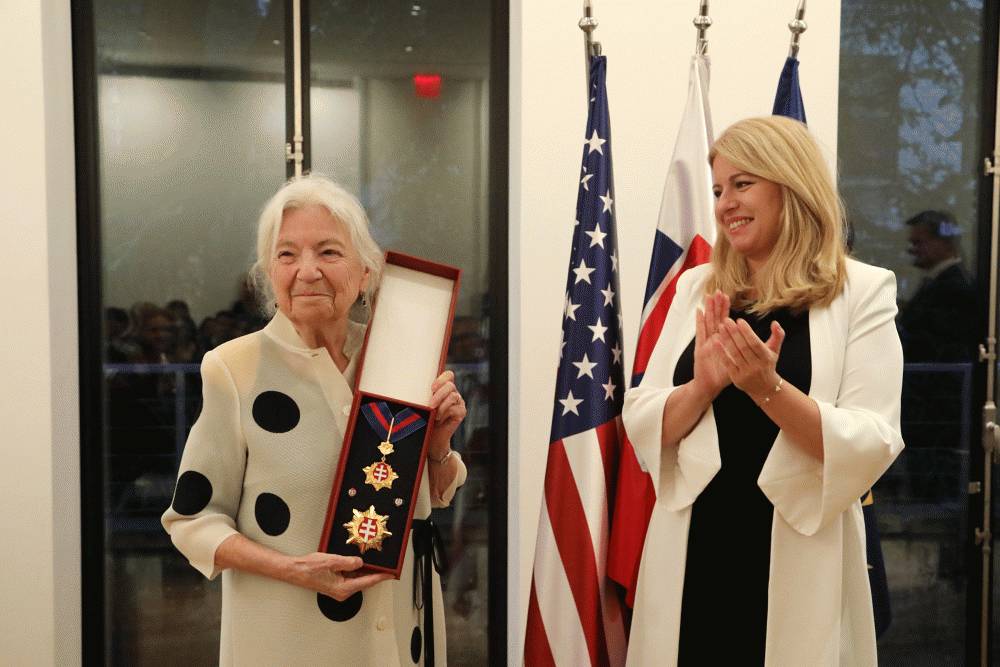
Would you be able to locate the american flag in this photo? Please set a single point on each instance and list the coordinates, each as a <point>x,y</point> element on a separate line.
<point>684,236</point>
<point>574,617</point>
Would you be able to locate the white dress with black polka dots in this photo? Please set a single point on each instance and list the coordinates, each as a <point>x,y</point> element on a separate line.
<point>261,460</point>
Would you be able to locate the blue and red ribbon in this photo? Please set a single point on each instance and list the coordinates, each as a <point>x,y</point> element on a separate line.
<point>379,417</point>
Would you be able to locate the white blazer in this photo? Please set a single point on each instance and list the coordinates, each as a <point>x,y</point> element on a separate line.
<point>820,608</point>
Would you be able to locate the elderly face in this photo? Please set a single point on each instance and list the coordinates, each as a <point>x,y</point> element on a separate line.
<point>748,210</point>
<point>316,272</point>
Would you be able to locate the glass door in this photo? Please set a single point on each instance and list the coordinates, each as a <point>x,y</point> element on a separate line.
<point>189,131</point>
<point>191,128</point>
<point>399,113</point>
<point>913,121</point>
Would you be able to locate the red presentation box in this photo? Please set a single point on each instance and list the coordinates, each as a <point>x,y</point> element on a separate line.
<point>385,445</point>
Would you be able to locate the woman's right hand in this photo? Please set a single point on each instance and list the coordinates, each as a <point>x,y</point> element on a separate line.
<point>710,374</point>
<point>332,575</point>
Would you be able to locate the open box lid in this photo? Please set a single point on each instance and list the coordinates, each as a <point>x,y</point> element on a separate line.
<point>407,339</point>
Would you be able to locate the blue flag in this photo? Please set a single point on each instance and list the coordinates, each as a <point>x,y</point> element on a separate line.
<point>788,99</point>
<point>788,102</point>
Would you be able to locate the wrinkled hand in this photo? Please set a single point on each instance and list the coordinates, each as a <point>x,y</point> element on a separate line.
<point>750,362</point>
<point>710,373</point>
<point>332,575</point>
<point>450,412</point>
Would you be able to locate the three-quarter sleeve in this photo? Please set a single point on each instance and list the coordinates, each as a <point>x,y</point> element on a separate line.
<point>449,493</point>
<point>861,434</point>
<point>210,477</point>
<point>678,473</point>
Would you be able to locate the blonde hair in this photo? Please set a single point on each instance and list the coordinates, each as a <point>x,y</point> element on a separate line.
<point>808,263</point>
<point>309,190</point>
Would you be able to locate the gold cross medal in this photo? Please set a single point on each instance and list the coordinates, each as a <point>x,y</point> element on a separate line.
<point>380,474</point>
<point>367,529</point>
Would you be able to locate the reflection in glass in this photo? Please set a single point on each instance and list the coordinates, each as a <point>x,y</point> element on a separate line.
<point>191,113</point>
<point>399,114</point>
<point>910,85</point>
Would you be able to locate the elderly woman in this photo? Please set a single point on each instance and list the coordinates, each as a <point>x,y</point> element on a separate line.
<point>763,417</point>
<point>258,468</point>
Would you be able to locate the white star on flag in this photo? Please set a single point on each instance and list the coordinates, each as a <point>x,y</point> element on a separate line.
<point>569,404</point>
<point>595,143</point>
<point>609,295</point>
<point>596,236</point>
<point>609,390</point>
<point>582,273</point>
<point>617,352</point>
<point>583,181</point>
<point>614,261</point>
<point>585,367</point>
<point>571,308</point>
<point>598,330</point>
<point>607,202</point>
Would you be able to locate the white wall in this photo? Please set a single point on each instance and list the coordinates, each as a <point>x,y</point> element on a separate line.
<point>39,448</point>
<point>648,44</point>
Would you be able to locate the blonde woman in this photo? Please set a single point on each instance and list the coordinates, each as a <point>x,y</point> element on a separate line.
<point>763,417</point>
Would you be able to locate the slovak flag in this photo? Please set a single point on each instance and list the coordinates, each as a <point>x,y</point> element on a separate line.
<point>684,236</point>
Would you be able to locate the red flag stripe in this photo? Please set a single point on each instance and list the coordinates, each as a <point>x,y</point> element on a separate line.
<point>698,253</point>
<point>576,549</point>
<point>537,652</point>
<point>632,508</point>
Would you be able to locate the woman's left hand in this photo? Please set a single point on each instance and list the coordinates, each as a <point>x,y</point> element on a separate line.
<point>751,362</point>
<point>450,413</point>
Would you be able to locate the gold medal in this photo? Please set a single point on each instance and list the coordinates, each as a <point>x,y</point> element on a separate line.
<point>380,475</point>
<point>367,529</point>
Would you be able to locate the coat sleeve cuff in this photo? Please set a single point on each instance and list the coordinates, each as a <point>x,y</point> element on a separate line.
<point>449,493</point>
<point>679,474</point>
<point>858,446</point>
<point>199,539</point>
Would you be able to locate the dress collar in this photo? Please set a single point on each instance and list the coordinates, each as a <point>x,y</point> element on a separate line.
<point>281,330</point>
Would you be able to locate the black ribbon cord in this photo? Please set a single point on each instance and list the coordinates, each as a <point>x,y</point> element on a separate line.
<point>428,553</point>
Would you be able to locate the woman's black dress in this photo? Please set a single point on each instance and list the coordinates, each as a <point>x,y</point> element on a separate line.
<point>724,609</point>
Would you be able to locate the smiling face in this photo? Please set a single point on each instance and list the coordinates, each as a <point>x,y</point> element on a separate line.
<point>748,210</point>
<point>315,271</point>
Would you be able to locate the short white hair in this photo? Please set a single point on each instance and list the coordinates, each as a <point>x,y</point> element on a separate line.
<point>313,190</point>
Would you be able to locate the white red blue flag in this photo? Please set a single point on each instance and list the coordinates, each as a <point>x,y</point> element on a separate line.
<point>684,236</point>
<point>574,616</point>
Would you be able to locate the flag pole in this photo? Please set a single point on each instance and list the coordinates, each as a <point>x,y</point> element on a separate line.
<point>797,26</point>
<point>702,23</point>
<point>590,48</point>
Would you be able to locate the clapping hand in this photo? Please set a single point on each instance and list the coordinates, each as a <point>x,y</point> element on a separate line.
<point>710,372</point>
<point>750,362</point>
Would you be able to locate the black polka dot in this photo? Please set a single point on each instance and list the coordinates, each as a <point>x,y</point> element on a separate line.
<point>192,493</point>
<point>271,513</point>
<point>275,412</point>
<point>339,611</point>
<point>416,643</point>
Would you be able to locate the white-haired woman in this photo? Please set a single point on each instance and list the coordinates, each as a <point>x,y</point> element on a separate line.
<point>763,417</point>
<point>258,467</point>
